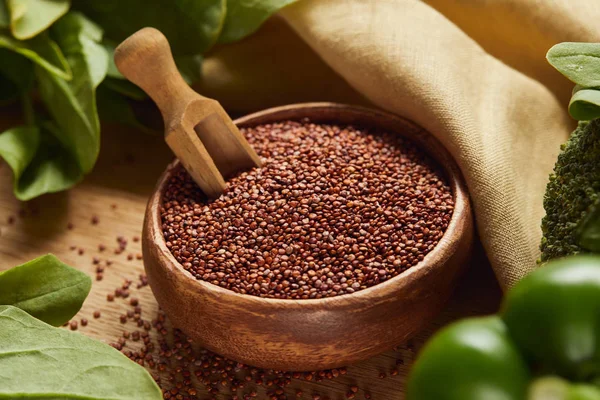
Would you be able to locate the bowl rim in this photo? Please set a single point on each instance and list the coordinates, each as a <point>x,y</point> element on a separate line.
<point>381,291</point>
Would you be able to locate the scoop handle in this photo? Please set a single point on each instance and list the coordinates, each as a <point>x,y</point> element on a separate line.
<point>145,59</point>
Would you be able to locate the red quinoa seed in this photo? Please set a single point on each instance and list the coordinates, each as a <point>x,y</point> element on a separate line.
<point>333,210</point>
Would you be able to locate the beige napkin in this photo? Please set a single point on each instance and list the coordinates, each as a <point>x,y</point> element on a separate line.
<point>472,72</point>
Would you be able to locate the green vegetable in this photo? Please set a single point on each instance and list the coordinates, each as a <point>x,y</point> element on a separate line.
<point>43,51</point>
<point>585,104</point>
<point>545,345</point>
<point>245,17</point>
<point>589,230</point>
<point>115,108</point>
<point>64,55</point>
<point>39,361</point>
<point>17,69</point>
<point>73,103</point>
<point>16,75</point>
<point>572,202</point>
<point>45,288</point>
<point>580,62</point>
<point>471,359</point>
<point>554,388</point>
<point>561,304</point>
<point>572,192</point>
<point>189,67</point>
<point>192,27</point>
<point>31,17</point>
<point>39,162</point>
<point>4,16</point>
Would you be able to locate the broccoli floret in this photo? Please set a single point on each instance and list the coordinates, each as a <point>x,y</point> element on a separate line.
<point>574,188</point>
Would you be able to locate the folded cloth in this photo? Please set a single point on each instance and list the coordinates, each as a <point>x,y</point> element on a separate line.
<point>472,72</point>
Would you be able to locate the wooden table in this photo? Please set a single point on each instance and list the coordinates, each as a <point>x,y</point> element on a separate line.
<point>116,193</point>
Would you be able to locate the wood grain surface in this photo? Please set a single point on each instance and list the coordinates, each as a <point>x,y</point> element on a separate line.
<point>116,193</point>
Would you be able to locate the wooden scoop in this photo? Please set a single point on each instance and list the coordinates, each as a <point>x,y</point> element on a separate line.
<point>197,129</point>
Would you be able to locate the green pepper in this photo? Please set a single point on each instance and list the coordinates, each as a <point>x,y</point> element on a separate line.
<point>544,344</point>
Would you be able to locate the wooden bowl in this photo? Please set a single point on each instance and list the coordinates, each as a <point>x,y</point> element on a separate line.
<point>306,335</point>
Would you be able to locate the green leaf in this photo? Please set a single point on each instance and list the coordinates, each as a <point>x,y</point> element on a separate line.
<point>246,16</point>
<point>192,26</point>
<point>42,51</point>
<point>580,62</point>
<point>18,147</point>
<point>113,107</point>
<point>125,88</point>
<point>16,68</point>
<point>4,15</point>
<point>585,104</point>
<point>40,361</point>
<point>45,288</point>
<point>39,162</point>
<point>589,230</point>
<point>190,67</point>
<point>112,71</point>
<point>72,104</point>
<point>8,90</point>
<point>16,75</point>
<point>31,17</point>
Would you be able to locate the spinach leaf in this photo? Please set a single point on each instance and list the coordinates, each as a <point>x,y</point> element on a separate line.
<point>113,107</point>
<point>8,90</point>
<point>16,75</point>
<point>40,361</point>
<point>42,51</point>
<point>125,88</point>
<point>17,69</point>
<point>39,162</point>
<point>18,146</point>
<point>246,16</point>
<point>72,103</point>
<point>585,104</point>
<point>580,62</point>
<point>53,168</point>
<point>45,288</point>
<point>189,67</point>
<point>113,71</point>
<point>4,16</point>
<point>30,17</point>
<point>192,26</point>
